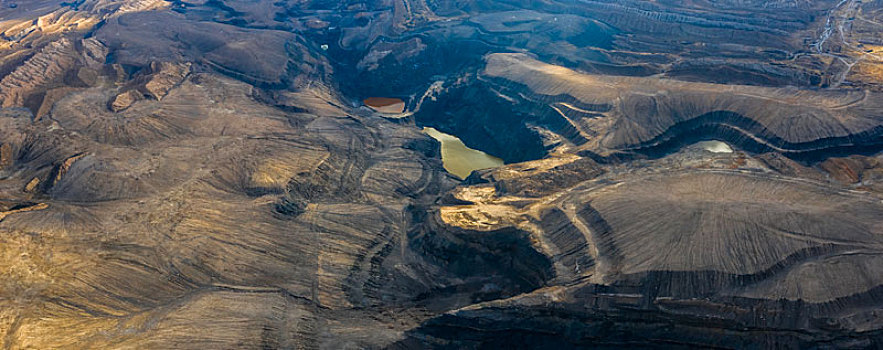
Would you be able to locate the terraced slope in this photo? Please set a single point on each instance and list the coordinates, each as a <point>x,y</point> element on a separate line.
<point>611,114</point>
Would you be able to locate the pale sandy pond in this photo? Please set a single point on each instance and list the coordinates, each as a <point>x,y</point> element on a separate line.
<point>459,159</point>
<point>715,146</point>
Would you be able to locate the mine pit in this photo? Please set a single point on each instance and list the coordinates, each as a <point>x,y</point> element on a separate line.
<point>425,174</point>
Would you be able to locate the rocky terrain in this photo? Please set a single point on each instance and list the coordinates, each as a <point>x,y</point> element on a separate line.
<point>193,174</point>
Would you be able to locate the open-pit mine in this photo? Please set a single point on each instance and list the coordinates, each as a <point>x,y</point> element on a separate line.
<point>410,174</point>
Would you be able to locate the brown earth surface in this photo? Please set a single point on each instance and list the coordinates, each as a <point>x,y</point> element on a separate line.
<point>192,174</point>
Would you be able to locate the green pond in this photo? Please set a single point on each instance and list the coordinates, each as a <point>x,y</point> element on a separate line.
<point>459,159</point>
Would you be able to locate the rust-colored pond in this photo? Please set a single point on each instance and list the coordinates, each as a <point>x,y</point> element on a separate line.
<point>385,105</point>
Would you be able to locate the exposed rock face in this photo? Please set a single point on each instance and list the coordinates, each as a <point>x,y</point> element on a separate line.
<point>21,208</point>
<point>124,100</point>
<point>205,174</point>
<point>164,77</point>
<point>47,66</point>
